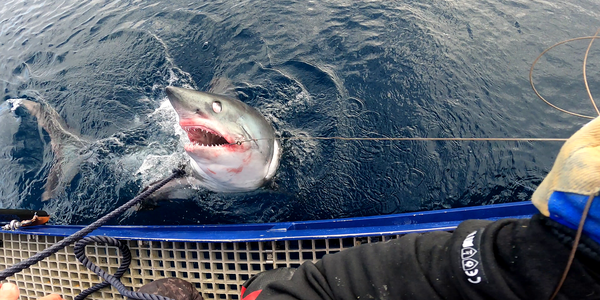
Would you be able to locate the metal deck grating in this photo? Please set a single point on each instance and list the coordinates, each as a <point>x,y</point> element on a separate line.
<point>217,269</point>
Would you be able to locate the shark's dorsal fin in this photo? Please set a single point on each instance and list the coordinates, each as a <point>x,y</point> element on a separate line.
<point>222,86</point>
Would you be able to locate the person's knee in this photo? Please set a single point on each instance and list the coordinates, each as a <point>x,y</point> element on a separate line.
<point>173,288</point>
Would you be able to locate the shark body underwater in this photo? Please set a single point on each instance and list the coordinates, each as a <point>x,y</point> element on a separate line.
<point>232,146</point>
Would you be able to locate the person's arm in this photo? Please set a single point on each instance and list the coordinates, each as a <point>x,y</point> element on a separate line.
<point>374,271</point>
<point>506,259</point>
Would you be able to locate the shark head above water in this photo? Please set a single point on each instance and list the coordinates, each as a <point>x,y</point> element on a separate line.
<point>232,146</point>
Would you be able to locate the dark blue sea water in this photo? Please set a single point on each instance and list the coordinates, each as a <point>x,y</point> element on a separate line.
<point>352,68</point>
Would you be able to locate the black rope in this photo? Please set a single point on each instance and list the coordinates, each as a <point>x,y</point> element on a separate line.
<point>79,251</point>
<point>18,267</point>
<point>114,280</point>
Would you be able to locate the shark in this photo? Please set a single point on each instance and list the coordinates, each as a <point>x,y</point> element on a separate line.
<point>232,147</point>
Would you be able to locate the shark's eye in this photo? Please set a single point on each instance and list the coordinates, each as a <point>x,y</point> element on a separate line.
<point>217,107</point>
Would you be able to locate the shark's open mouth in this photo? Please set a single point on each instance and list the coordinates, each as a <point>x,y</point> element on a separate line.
<point>201,136</point>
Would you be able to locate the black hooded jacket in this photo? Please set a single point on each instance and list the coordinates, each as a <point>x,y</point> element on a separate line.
<point>505,259</point>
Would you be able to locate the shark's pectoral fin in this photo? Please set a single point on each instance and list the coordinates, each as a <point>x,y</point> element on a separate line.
<point>182,188</point>
<point>53,186</point>
<point>60,176</point>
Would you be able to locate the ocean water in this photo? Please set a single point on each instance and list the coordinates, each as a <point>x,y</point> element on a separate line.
<point>353,68</point>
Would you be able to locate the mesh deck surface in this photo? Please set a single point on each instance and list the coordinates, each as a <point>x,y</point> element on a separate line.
<point>217,269</point>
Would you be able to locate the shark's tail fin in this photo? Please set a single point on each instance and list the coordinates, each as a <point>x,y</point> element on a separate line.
<point>65,165</point>
<point>34,108</point>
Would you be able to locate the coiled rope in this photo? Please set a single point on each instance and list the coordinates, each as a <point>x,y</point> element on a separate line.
<point>18,267</point>
<point>584,75</point>
<point>113,280</point>
<point>79,251</point>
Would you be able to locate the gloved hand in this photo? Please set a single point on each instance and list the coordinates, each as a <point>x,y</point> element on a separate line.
<point>573,178</point>
<point>254,286</point>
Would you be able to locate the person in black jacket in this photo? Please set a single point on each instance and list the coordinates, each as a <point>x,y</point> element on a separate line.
<point>505,259</point>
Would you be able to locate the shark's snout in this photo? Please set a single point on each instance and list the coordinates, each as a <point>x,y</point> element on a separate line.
<point>171,91</point>
<point>176,95</point>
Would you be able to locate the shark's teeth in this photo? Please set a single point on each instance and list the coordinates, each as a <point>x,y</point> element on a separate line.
<point>205,137</point>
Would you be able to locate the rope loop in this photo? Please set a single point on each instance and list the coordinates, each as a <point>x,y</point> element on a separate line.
<point>79,252</point>
<point>114,280</point>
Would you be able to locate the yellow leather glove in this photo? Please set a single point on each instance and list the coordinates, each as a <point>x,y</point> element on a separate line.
<point>576,169</point>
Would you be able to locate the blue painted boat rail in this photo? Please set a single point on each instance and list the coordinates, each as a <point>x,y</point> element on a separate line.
<point>446,219</point>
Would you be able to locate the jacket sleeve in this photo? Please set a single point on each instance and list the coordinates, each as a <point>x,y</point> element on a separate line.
<point>411,267</point>
<point>506,259</point>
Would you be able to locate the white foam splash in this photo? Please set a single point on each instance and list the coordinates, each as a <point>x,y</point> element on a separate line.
<point>14,104</point>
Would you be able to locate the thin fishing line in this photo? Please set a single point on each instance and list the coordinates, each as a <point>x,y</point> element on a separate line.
<point>465,139</point>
